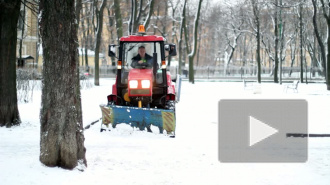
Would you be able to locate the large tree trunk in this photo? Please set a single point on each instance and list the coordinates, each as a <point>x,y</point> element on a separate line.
<point>61,131</point>
<point>9,14</point>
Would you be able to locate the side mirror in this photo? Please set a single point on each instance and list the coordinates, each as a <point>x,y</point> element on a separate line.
<point>172,49</point>
<point>112,50</point>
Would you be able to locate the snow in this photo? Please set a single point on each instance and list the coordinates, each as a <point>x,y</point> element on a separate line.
<point>129,156</point>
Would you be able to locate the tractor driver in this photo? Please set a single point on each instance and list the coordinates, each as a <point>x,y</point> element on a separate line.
<point>142,59</point>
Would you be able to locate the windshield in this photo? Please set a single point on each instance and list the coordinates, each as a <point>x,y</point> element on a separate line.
<point>131,53</point>
<point>131,50</point>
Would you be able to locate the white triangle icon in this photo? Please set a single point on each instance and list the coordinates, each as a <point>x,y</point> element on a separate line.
<point>259,131</point>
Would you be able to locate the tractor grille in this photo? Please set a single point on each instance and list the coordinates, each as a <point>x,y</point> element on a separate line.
<point>157,91</point>
<point>140,91</point>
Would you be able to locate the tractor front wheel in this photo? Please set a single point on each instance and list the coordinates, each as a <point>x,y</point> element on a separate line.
<point>170,105</point>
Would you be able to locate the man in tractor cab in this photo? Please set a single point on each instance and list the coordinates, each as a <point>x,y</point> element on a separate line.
<point>142,59</point>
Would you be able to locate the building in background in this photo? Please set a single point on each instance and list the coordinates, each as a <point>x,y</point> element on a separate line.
<point>27,38</point>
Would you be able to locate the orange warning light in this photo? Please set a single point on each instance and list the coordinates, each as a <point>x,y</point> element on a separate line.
<point>142,29</point>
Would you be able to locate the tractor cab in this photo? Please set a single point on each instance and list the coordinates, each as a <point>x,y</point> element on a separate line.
<point>145,84</point>
<point>143,93</point>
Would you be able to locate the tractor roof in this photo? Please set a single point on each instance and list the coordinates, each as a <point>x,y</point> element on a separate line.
<point>142,38</point>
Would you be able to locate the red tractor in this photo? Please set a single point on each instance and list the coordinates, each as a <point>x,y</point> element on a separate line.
<point>143,94</point>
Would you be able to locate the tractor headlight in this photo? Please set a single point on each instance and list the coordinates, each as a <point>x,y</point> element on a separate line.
<point>145,84</point>
<point>133,84</point>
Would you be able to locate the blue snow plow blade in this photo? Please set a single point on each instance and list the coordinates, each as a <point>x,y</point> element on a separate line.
<point>138,117</point>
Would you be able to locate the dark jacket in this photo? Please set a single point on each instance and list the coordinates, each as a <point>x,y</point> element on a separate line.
<point>137,58</point>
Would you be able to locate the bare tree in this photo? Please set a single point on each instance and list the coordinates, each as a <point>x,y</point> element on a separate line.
<point>98,27</point>
<point>301,24</point>
<point>173,35</point>
<point>232,32</point>
<point>22,17</point>
<point>112,26</point>
<point>78,9</point>
<point>276,23</point>
<point>193,51</point>
<point>61,131</point>
<point>149,13</point>
<point>256,13</point>
<point>86,30</point>
<point>119,25</point>
<point>182,25</point>
<point>140,13</point>
<point>326,14</point>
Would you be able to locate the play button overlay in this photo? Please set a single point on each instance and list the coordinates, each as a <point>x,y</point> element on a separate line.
<point>254,130</point>
<point>259,131</point>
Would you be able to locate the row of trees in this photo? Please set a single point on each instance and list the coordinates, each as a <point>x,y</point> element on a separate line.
<point>295,28</point>
<point>159,17</point>
<point>273,33</point>
<point>262,33</point>
<point>247,32</point>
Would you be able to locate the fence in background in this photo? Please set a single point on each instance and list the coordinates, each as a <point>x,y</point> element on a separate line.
<point>232,72</point>
<point>215,72</point>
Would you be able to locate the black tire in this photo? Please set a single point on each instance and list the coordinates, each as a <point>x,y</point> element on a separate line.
<point>170,105</point>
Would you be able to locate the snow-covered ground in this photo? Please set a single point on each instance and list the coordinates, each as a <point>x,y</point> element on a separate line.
<point>124,156</point>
